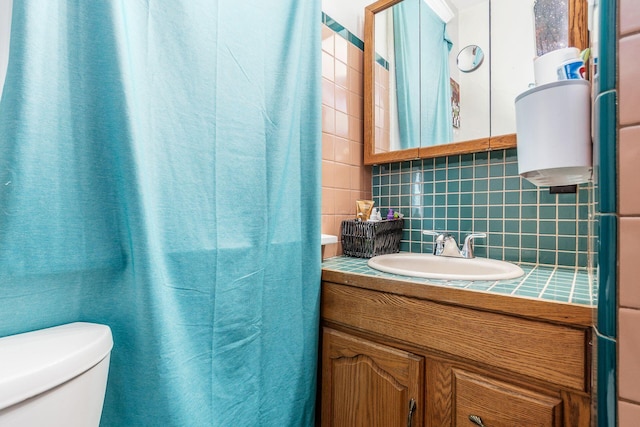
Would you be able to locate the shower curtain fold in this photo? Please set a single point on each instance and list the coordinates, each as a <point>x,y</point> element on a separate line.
<point>160,171</point>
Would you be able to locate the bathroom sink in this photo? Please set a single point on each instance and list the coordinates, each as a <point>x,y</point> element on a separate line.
<point>327,239</point>
<point>445,268</point>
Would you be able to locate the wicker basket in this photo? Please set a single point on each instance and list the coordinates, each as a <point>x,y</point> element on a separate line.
<point>363,239</point>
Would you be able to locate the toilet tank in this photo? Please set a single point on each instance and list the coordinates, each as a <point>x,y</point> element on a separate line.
<point>55,376</point>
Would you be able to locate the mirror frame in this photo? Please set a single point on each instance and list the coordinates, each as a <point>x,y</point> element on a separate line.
<point>464,51</point>
<point>578,37</point>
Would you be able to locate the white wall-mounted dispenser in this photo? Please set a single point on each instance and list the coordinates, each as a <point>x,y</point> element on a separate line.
<point>554,133</point>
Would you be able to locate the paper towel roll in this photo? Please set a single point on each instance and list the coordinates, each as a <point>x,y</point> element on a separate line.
<point>545,67</point>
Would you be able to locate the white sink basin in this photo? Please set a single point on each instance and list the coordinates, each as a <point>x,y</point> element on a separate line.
<point>445,268</point>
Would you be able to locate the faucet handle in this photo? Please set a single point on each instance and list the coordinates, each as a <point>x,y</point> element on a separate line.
<point>472,236</point>
<point>467,247</point>
<point>431,233</point>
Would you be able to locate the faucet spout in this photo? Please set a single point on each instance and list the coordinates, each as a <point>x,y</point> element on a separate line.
<point>445,244</point>
<point>450,247</point>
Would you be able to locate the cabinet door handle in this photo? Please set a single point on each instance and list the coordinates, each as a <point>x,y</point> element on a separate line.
<point>476,420</point>
<point>412,409</point>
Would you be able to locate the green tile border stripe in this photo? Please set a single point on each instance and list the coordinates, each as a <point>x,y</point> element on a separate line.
<point>606,382</point>
<point>350,37</point>
<point>338,28</point>
<point>606,142</point>
<point>607,68</point>
<point>607,275</point>
<point>383,62</point>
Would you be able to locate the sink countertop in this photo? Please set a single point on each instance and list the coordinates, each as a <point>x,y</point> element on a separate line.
<point>540,285</point>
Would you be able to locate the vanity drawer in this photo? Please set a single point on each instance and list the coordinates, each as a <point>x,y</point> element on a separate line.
<point>513,344</point>
<point>499,404</point>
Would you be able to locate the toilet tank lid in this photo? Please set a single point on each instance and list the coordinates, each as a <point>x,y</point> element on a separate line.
<point>33,362</point>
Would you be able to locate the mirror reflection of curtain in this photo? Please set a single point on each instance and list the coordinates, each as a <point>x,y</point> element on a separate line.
<point>406,27</point>
<point>424,58</point>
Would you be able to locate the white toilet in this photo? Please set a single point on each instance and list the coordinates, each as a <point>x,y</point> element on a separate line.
<point>54,377</point>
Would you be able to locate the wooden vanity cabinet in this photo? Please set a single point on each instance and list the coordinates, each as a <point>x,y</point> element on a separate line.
<point>497,403</point>
<point>382,350</point>
<point>365,384</point>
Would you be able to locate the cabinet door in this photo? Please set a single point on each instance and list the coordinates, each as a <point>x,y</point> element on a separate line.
<point>365,384</point>
<point>481,400</point>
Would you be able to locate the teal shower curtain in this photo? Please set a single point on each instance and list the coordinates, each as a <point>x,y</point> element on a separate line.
<point>423,84</point>
<point>159,163</point>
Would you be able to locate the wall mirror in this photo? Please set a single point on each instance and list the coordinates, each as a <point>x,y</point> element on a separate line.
<point>470,58</point>
<point>418,103</point>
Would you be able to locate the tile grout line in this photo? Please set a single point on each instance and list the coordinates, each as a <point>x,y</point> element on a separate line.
<point>591,283</point>
<point>495,283</point>
<point>573,285</point>
<point>546,285</point>
<point>524,280</point>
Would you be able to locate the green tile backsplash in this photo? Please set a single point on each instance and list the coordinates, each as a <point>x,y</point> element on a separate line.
<point>483,192</point>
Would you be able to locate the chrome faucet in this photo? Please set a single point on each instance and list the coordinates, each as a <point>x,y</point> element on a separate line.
<point>445,244</point>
